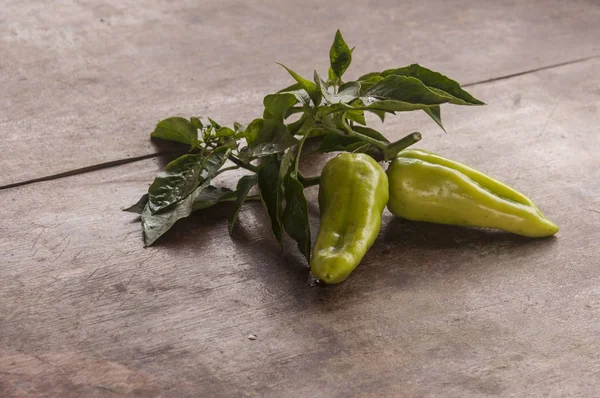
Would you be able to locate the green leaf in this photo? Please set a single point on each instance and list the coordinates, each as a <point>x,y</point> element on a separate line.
<point>178,180</point>
<point>215,125</point>
<point>224,132</point>
<point>182,176</point>
<point>287,160</point>
<point>311,88</point>
<point>380,114</point>
<point>294,127</point>
<point>267,175</point>
<point>434,80</point>
<point>405,89</point>
<point>244,186</point>
<point>295,215</point>
<point>367,83</point>
<point>176,129</point>
<point>369,76</point>
<point>266,137</point>
<point>346,93</point>
<point>138,208</point>
<point>340,55</point>
<point>370,132</point>
<point>155,225</point>
<point>322,87</point>
<point>214,162</point>
<point>437,82</point>
<point>276,105</point>
<point>434,112</point>
<point>230,143</point>
<point>197,123</point>
<point>399,94</point>
<point>331,77</point>
<point>294,87</point>
<point>212,195</point>
<point>238,127</point>
<point>357,116</point>
<point>302,96</point>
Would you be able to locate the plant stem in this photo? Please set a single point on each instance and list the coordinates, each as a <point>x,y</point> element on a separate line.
<point>227,169</point>
<point>297,160</point>
<point>401,144</point>
<point>242,164</point>
<point>308,181</point>
<point>235,160</point>
<point>351,133</point>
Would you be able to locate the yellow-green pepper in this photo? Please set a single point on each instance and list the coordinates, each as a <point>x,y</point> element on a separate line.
<point>427,187</point>
<point>353,192</point>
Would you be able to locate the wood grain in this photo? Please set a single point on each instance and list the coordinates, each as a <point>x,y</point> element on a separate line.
<point>431,311</point>
<point>85,83</point>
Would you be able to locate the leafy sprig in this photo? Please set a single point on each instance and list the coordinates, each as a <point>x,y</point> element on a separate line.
<point>270,148</point>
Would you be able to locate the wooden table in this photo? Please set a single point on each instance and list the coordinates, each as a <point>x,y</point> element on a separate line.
<point>433,311</point>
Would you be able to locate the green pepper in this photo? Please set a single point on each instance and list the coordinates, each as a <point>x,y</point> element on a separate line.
<point>353,192</point>
<point>427,187</point>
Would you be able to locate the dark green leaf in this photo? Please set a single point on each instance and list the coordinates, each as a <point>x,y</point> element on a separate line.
<point>214,162</point>
<point>182,176</point>
<point>366,84</point>
<point>340,55</point>
<point>313,91</point>
<point>176,129</point>
<point>404,89</point>
<point>294,127</point>
<point>295,215</point>
<point>155,225</point>
<point>380,114</point>
<point>437,82</point>
<point>268,174</point>
<point>434,80</point>
<point>276,105</point>
<point>211,195</point>
<point>434,112</point>
<point>243,187</point>
<point>266,137</point>
<point>370,132</point>
<point>138,208</point>
<point>178,180</point>
<point>368,76</point>
<point>287,161</point>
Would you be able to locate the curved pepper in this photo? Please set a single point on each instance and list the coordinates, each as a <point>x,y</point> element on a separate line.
<point>427,187</point>
<point>353,193</point>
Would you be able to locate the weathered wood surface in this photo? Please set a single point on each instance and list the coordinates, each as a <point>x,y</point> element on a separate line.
<point>433,311</point>
<point>85,82</point>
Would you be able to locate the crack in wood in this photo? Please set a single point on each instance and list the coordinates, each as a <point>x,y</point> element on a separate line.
<point>120,162</point>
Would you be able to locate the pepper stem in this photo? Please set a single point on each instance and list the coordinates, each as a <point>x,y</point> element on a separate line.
<point>403,143</point>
